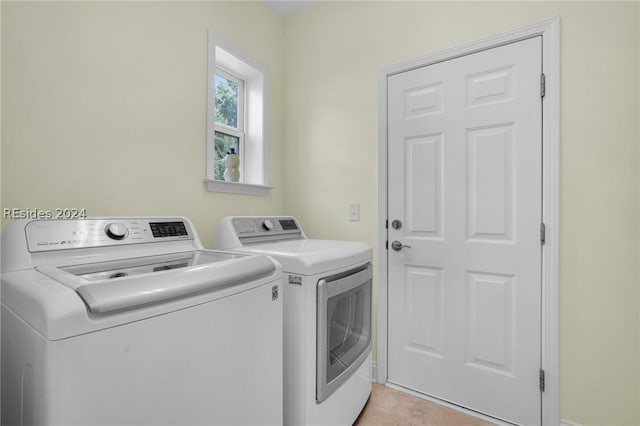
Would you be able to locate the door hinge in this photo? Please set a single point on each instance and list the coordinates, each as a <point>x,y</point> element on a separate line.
<point>543,85</point>
<point>386,245</point>
<point>541,380</point>
<point>386,224</point>
<point>543,232</point>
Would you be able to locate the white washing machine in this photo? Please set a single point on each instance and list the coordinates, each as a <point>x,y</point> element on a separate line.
<point>128,321</point>
<point>327,316</point>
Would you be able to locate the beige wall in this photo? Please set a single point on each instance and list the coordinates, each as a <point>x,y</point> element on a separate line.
<point>104,106</point>
<point>334,51</point>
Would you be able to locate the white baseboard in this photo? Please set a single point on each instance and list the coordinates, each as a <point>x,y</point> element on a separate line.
<point>374,371</point>
<point>568,423</point>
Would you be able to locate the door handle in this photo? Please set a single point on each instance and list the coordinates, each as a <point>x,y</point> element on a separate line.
<point>397,245</point>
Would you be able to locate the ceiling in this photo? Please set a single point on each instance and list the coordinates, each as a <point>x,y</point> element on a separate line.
<point>288,7</point>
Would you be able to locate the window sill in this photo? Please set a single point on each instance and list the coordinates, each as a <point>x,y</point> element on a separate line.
<point>237,187</point>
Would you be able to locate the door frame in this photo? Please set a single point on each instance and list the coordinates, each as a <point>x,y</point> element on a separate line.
<point>550,31</point>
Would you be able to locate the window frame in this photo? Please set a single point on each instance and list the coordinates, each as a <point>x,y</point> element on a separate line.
<point>255,159</point>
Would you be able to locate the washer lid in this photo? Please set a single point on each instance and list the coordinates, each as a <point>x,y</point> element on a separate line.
<point>118,285</point>
<point>310,257</point>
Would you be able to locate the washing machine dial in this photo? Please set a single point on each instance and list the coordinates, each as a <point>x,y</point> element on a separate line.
<point>117,231</point>
<point>267,225</point>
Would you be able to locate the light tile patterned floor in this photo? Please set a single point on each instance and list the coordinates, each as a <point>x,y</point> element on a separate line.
<point>391,407</point>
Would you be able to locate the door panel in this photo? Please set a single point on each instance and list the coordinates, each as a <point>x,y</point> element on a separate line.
<point>424,185</point>
<point>465,180</point>
<point>490,312</point>
<point>490,183</point>
<point>424,310</point>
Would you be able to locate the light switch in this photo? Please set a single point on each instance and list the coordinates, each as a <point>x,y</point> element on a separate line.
<point>354,212</point>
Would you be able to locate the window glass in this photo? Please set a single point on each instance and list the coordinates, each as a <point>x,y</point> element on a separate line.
<point>226,102</point>
<point>223,145</point>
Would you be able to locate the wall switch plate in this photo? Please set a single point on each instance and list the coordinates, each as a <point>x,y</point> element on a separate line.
<point>354,212</point>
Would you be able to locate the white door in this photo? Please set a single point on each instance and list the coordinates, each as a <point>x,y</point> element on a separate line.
<point>465,181</point>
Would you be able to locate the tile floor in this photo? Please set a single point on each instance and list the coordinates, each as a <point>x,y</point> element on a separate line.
<point>391,407</point>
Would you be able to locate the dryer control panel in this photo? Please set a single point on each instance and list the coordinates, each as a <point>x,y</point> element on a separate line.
<point>262,229</point>
<point>48,235</point>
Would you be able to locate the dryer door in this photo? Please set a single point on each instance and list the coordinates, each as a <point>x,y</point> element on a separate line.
<point>343,328</point>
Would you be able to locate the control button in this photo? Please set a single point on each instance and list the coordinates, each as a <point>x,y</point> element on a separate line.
<point>117,231</point>
<point>267,224</point>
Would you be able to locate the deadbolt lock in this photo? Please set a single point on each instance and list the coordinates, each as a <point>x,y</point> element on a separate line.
<point>396,224</point>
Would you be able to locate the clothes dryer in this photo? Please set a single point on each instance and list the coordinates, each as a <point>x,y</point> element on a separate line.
<point>130,321</point>
<point>327,316</point>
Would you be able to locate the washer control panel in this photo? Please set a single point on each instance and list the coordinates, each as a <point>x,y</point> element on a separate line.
<point>266,228</point>
<point>47,235</point>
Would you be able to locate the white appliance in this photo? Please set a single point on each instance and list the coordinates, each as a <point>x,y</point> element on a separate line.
<point>327,316</point>
<point>128,321</point>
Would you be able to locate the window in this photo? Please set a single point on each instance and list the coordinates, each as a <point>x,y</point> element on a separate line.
<point>236,137</point>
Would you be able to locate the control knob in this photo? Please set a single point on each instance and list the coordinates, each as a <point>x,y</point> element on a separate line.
<point>117,231</point>
<point>267,224</point>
